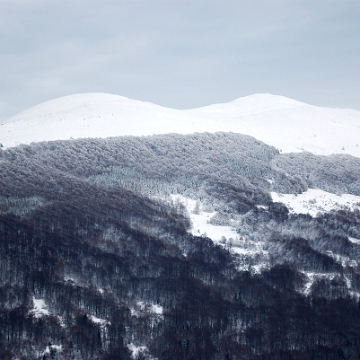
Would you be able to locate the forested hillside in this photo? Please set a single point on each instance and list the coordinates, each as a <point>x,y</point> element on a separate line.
<point>98,262</point>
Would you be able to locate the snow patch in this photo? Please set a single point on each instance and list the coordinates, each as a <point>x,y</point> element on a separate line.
<point>52,349</point>
<point>136,350</point>
<point>70,279</point>
<point>40,308</point>
<point>156,309</point>
<point>201,220</point>
<point>226,236</point>
<point>98,321</point>
<point>354,240</point>
<point>312,277</point>
<point>341,259</point>
<point>144,309</point>
<point>316,201</point>
<point>259,268</point>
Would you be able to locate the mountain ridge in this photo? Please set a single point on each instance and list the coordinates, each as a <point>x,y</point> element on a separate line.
<point>289,125</point>
<point>260,101</point>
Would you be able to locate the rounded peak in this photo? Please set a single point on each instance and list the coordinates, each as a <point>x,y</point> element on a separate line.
<point>93,115</point>
<point>70,103</point>
<point>255,103</point>
<point>269,98</point>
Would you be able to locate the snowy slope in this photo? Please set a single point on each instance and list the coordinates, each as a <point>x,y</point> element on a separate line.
<point>92,115</point>
<point>289,125</point>
<point>286,124</point>
<point>314,201</point>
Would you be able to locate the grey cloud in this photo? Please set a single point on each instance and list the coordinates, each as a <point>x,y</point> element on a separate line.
<point>180,54</point>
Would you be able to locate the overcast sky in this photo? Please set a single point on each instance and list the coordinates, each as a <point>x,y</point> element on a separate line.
<point>179,53</point>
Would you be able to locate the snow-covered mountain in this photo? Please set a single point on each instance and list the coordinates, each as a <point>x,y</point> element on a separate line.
<point>200,246</point>
<point>289,125</point>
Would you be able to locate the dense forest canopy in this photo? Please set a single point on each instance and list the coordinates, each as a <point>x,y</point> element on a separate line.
<point>97,261</point>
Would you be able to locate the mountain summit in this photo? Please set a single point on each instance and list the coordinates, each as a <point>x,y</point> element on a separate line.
<point>287,124</point>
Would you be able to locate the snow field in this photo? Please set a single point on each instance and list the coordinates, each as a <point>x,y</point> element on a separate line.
<point>316,201</point>
<point>225,236</point>
<point>311,202</point>
<point>200,221</point>
<point>289,125</point>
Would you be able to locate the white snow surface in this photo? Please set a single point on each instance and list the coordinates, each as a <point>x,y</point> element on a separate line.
<point>57,348</point>
<point>311,202</point>
<point>354,240</point>
<point>224,235</point>
<point>287,124</point>
<point>98,321</point>
<point>136,350</point>
<point>142,309</point>
<point>93,115</point>
<point>316,201</point>
<point>200,221</point>
<point>40,308</point>
<point>312,276</point>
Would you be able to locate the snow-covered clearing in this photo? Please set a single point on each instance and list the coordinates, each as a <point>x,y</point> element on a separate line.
<point>200,220</point>
<point>225,236</point>
<point>316,201</point>
<point>310,202</point>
